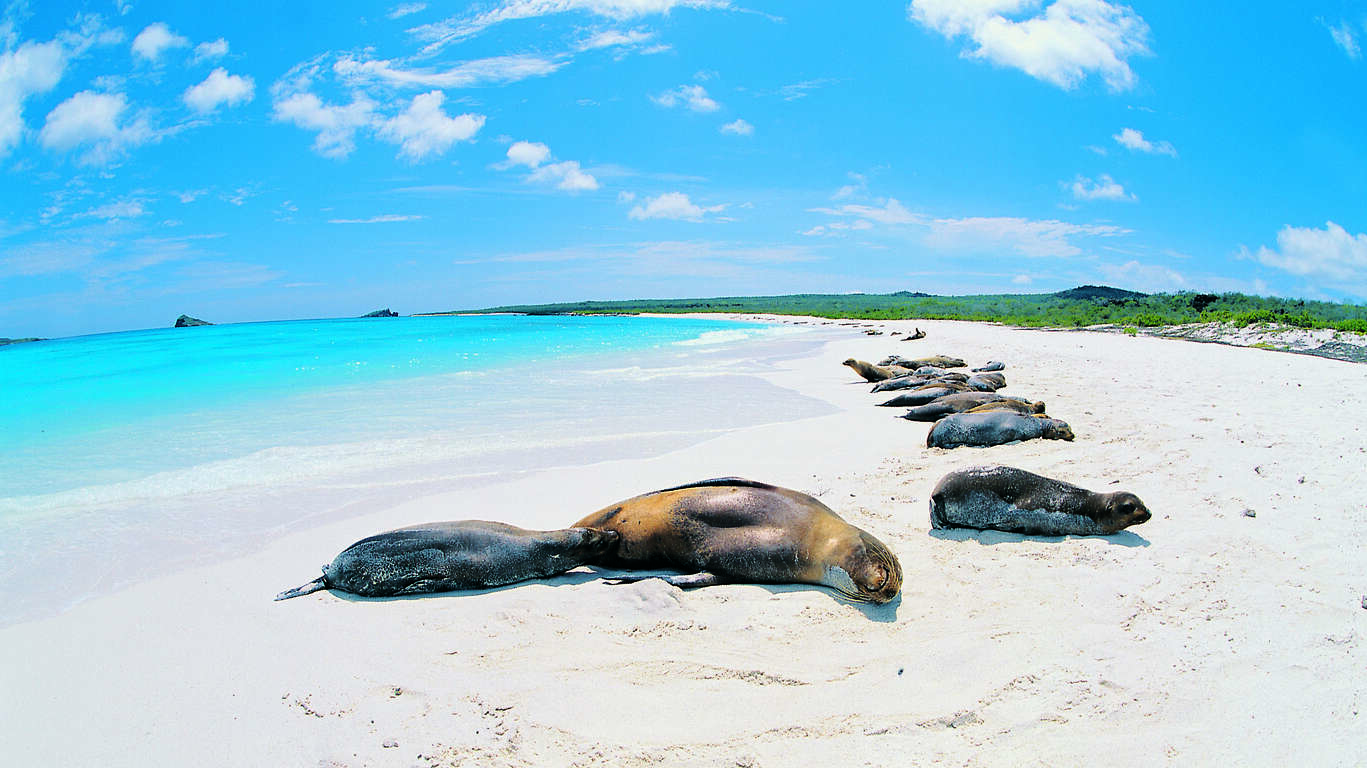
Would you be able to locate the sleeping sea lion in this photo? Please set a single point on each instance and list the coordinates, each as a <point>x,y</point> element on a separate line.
<point>912,381</point>
<point>962,402</point>
<point>872,372</point>
<point>986,382</point>
<point>465,554</point>
<point>1010,499</point>
<point>925,394</point>
<point>732,530</point>
<point>939,361</point>
<point>1009,404</point>
<point>994,428</point>
<point>991,366</point>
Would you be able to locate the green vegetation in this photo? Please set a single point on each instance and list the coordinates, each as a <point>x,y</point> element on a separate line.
<point>1076,307</point>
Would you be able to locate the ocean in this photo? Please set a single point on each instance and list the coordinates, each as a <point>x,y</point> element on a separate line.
<point>130,455</point>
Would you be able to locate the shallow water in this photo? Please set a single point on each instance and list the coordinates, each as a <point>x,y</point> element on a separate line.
<point>134,454</point>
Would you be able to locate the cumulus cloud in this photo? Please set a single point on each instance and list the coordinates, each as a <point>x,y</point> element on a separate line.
<point>1028,237</point>
<point>738,127</point>
<point>1150,278</point>
<point>457,28</point>
<point>1103,188</point>
<point>216,49</point>
<point>1134,140</point>
<point>528,153</point>
<point>495,70</point>
<point>217,89</point>
<point>424,129</point>
<point>1064,44</point>
<point>29,70</point>
<point>155,40</point>
<point>96,121</point>
<point>1331,253</point>
<point>565,175</point>
<point>672,205</point>
<point>336,125</point>
<point>1345,38</point>
<point>693,97</point>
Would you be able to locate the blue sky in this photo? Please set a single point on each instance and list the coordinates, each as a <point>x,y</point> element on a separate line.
<point>326,159</point>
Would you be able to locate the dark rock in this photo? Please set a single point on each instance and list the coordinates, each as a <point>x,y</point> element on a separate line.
<point>4,342</point>
<point>185,321</point>
<point>386,312</point>
<point>1103,292</point>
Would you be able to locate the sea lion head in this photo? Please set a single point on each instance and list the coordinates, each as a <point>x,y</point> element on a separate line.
<point>1121,510</point>
<point>1056,429</point>
<point>866,571</point>
<point>1037,407</point>
<point>851,362</point>
<point>591,542</point>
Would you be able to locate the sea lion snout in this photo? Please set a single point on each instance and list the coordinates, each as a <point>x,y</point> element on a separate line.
<point>597,541</point>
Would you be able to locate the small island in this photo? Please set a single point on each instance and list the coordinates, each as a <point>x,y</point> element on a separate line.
<point>386,312</point>
<point>185,321</point>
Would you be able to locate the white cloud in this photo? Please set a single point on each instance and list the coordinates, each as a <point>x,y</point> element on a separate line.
<point>219,88</point>
<point>1149,278</point>
<point>155,40</point>
<point>1022,280</point>
<point>672,205</point>
<point>890,212</point>
<point>564,175</point>
<point>406,9</point>
<point>1104,188</point>
<point>1343,37</point>
<point>388,218</point>
<point>495,70</point>
<point>458,28</point>
<point>29,70</point>
<point>693,97</point>
<point>94,120</point>
<point>528,153</point>
<point>1070,40</point>
<point>336,125</point>
<point>122,209</point>
<point>738,127</point>
<point>1330,254</point>
<point>1135,141</point>
<point>424,129</point>
<point>1028,237</point>
<point>612,38</point>
<point>211,50</point>
<point>795,91</point>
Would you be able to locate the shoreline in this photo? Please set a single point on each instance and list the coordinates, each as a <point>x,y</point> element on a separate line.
<point>1203,634</point>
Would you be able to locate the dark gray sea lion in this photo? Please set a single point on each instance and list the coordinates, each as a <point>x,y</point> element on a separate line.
<point>1010,499</point>
<point>732,530</point>
<point>872,372</point>
<point>912,381</point>
<point>991,366</point>
<point>994,428</point>
<point>465,554</point>
<point>939,361</point>
<point>920,334</point>
<point>986,382</point>
<point>925,394</point>
<point>894,360</point>
<point>1009,404</point>
<point>962,402</point>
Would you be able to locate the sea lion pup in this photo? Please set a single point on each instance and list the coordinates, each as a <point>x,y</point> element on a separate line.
<point>986,382</point>
<point>925,394</point>
<point>912,381</point>
<point>465,554</point>
<point>872,372</point>
<point>963,402</point>
<point>994,428</point>
<point>1010,499</point>
<point>732,530</point>
<point>992,365</point>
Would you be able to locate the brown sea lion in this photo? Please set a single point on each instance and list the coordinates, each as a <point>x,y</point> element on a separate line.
<point>1010,404</point>
<point>872,372</point>
<point>464,554</point>
<point>994,428</point>
<point>732,530</point>
<point>962,402</point>
<point>1010,499</point>
<point>926,394</point>
<point>986,382</point>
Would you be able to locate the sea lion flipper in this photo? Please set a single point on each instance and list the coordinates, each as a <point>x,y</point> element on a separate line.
<point>313,586</point>
<point>682,581</point>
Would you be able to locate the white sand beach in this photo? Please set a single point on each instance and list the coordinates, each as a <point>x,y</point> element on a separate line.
<point>1231,627</point>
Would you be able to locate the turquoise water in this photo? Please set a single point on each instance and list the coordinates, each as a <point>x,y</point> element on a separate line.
<point>130,454</point>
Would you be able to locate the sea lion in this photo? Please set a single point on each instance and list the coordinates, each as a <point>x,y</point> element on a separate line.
<point>992,365</point>
<point>894,360</point>
<point>925,394</point>
<point>872,372</point>
<point>465,554</point>
<point>939,361</point>
<point>994,428</point>
<point>962,402</point>
<point>732,530</point>
<point>1010,499</point>
<point>1010,404</point>
<point>920,334</point>
<point>912,381</point>
<point>986,382</point>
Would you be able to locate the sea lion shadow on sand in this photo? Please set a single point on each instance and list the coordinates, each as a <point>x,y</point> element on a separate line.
<point>582,575</point>
<point>989,537</point>
<point>883,613</point>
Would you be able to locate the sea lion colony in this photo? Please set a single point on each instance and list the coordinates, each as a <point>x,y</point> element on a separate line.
<point>732,530</point>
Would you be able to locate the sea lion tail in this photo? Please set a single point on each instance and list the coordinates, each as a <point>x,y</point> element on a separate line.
<point>305,589</point>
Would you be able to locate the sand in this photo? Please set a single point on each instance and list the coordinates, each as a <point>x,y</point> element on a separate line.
<point>1230,627</point>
